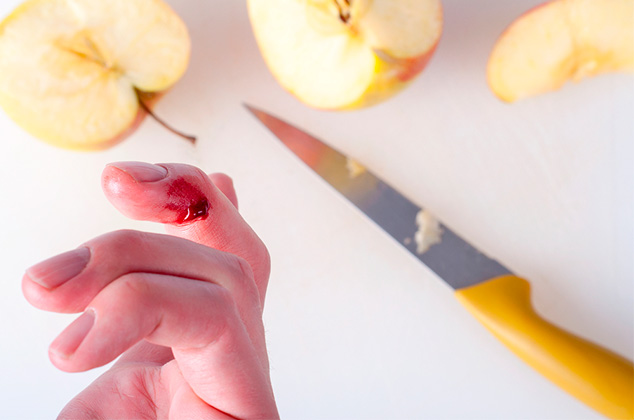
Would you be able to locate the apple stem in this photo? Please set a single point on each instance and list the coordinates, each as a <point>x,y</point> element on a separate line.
<point>344,11</point>
<point>187,137</point>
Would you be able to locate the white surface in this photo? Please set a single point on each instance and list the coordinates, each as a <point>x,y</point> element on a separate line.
<point>357,328</point>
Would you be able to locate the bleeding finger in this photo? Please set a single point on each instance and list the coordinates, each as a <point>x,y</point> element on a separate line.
<point>185,198</point>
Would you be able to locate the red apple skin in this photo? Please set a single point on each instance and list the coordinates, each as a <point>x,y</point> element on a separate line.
<point>415,65</point>
<point>407,70</point>
<point>383,88</point>
<point>412,67</point>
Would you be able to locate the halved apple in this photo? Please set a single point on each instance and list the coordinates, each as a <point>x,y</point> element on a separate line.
<point>344,54</point>
<point>72,72</point>
<point>559,41</point>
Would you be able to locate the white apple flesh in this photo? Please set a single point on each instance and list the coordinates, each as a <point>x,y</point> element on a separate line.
<point>71,70</point>
<point>559,41</point>
<point>343,54</point>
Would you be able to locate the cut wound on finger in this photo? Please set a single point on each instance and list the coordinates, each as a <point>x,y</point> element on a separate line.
<point>175,198</point>
<point>186,200</point>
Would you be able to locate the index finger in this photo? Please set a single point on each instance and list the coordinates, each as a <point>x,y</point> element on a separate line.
<point>186,200</point>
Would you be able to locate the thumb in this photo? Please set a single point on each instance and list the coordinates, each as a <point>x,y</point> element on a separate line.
<point>190,205</point>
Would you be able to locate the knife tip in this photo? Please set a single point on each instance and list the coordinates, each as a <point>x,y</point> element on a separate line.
<point>249,108</point>
<point>257,113</point>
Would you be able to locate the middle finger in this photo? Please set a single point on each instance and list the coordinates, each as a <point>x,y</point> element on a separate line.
<point>68,282</point>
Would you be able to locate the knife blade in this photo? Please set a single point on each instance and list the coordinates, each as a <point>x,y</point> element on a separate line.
<point>498,299</point>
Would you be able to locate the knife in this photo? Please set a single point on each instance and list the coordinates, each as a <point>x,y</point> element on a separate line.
<point>498,299</point>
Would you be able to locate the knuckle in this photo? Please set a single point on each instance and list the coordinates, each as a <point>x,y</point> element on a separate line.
<point>129,294</point>
<point>243,269</point>
<point>244,278</point>
<point>135,238</point>
<point>218,315</point>
<point>135,284</point>
<point>261,259</point>
<point>221,297</point>
<point>135,388</point>
<point>124,240</point>
<point>229,309</point>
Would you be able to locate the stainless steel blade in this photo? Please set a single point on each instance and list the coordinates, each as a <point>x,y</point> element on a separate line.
<point>453,259</point>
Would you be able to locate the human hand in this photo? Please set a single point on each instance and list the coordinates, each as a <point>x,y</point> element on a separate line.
<point>183,310</point>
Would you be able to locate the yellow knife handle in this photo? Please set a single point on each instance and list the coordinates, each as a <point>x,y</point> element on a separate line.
<point>598,377</point>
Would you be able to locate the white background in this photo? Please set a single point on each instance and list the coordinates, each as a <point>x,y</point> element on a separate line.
<point>358,328</point>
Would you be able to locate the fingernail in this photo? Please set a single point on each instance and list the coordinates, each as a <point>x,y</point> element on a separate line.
<point>58,270</point>
<point>69,340</point>
<point>141,171</point>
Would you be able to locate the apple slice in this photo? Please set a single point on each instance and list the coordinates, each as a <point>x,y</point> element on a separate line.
<point>72,71</point>
<point>344,54</point>
<point>559,41</point>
